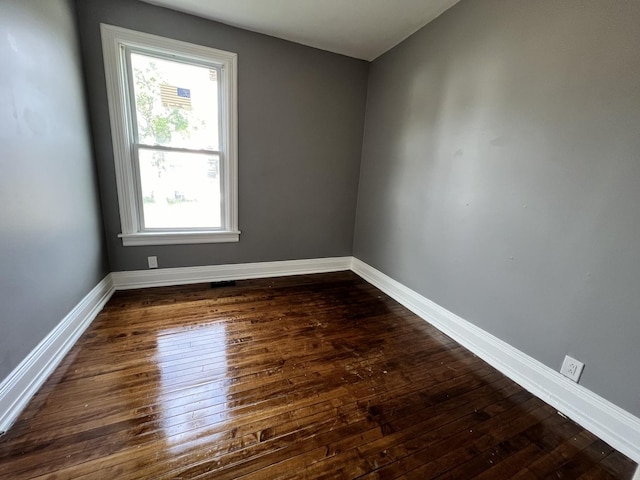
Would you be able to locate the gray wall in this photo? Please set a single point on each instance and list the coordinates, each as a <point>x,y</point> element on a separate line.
<point>301,118</point>
<point>501,177</point>
<point>51,247</point>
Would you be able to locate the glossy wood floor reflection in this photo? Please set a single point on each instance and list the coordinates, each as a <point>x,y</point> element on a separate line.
<point>318,376</point>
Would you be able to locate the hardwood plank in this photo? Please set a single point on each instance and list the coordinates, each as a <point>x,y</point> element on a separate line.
<point>303,377</point>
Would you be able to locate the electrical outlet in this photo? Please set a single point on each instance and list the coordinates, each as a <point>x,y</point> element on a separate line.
<point>153,262</point>
<point>572,368</point>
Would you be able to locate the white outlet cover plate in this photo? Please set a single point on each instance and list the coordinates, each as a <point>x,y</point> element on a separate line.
<point>572,368</point>
<point>153,262</point>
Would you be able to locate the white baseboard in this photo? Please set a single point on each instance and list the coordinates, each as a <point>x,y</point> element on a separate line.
<point>617,427</point>
<point>24,381</point>
<point>216,273</point>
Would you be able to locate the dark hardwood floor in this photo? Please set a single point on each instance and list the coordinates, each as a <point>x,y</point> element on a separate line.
<point>317,376</point>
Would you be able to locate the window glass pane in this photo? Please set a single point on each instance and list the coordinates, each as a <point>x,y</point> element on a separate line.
<point>180,190</point>
<point>176,104</point>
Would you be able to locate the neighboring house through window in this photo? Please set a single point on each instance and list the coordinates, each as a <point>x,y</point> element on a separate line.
<point>174,126</point>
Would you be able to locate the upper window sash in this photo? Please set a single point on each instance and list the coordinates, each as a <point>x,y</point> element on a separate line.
<point>128,69</point>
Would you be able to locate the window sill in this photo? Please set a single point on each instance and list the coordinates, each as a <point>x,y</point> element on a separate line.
<point>177,238</point>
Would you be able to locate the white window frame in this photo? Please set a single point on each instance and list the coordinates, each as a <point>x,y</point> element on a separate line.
<point>114,42</point>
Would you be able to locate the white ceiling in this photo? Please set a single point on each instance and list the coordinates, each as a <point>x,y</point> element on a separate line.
<point>358,28</point>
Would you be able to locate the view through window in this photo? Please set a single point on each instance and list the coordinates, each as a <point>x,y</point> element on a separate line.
<point>177,142</point>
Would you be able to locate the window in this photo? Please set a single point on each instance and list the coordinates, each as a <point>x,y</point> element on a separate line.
<point>174,127</point>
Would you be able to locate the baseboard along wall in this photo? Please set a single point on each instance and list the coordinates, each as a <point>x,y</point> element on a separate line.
<point>24,381</point>
<point>617,427</point>
<point>162,277</point>
<point>612,424</point>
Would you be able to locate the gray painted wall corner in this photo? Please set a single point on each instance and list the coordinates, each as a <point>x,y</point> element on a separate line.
<point>500,178</point>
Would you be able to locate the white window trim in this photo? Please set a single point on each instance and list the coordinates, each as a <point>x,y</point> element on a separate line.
<point>113,38</point>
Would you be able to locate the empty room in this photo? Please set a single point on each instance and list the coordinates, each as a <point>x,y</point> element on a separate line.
<point>293,239</point>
